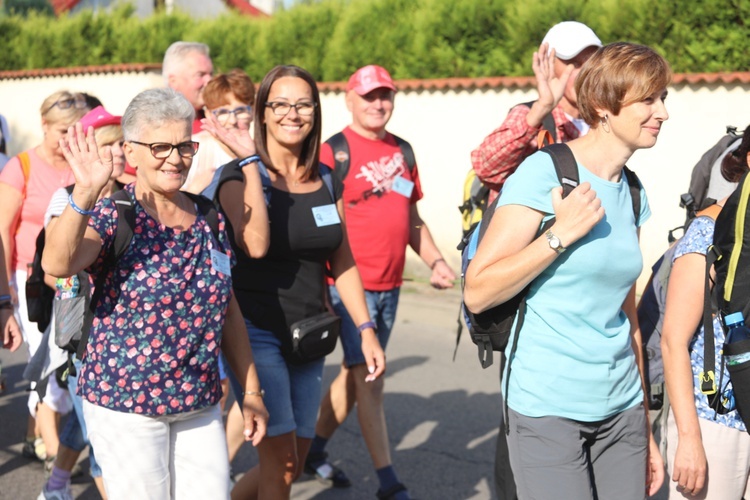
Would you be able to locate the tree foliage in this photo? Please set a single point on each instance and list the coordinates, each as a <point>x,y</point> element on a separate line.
<point>413,38</point>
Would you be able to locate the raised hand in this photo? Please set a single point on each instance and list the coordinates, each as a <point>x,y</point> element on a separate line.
<point>237,139</point>
<point>550,86</point>
<point>91,166</point>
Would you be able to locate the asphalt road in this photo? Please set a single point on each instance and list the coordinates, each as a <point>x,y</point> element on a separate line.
<point>442,416</point>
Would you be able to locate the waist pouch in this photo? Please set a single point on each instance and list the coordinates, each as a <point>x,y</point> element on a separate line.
<point>313,338</point>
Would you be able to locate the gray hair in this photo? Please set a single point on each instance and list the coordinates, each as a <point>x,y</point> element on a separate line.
<point>153,108</point>
<point>177,52</point>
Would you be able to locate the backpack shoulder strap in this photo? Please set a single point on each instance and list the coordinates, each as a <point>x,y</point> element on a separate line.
<point>635,192</point>
<point>327,178</point>
<point>232,171</point>
<point>123,237</point>
<point>208,210</point>
<point>548,123</point>
<point>566,166</point>
<point>407,151</point>
<point>25,168</point>
<point>340,147</point>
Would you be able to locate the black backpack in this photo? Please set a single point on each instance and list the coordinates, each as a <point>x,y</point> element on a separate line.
<point>491,329</point>
<point>40,296</point>
<point>730,257</point>
<point>123,237</point>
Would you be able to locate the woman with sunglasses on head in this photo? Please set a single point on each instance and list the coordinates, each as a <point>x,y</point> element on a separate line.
<point>149,379</point>
<point>26,186</point>
<point>286,284</point>
<point>229,100</point>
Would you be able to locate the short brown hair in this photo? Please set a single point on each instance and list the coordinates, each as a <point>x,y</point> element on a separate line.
<point>235,82</point>
<point>616,72</point>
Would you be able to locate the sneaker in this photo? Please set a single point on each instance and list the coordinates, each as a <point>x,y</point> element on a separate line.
<point>63,494</point>
<point>391,493</point>
<point>325,472</point>
<point>34,449</point>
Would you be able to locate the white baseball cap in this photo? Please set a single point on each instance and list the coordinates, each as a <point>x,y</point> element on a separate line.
<point>570,38</point>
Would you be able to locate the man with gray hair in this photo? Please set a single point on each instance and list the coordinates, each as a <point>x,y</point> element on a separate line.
<point>187,68</point>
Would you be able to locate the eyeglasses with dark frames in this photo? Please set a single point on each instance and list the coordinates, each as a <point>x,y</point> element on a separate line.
<point>162,150</point>
<point>281,108</point>
<point>240,113</point>
<point>77,101</point>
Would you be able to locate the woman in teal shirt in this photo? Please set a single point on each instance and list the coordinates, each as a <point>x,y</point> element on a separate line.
<point>577,424</point>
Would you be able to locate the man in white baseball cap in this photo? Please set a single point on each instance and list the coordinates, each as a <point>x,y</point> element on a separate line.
<point>564,49</point>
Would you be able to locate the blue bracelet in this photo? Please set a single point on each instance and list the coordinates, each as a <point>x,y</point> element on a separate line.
<point>3,298</point>
<point>249,160</point>
<point>77,208</point>
<point>364,326</point>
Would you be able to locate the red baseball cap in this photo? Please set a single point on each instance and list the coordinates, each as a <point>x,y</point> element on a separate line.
<point>99,117</point>
<point>369,78</point>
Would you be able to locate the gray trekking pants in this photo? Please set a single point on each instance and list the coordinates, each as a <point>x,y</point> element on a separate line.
<point>560,458</point>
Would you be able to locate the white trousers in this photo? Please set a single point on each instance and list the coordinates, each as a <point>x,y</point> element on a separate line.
<point>728,456</point>
<point>182,456</point>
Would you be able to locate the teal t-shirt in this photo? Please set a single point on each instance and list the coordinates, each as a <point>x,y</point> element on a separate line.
<point>574,357</point>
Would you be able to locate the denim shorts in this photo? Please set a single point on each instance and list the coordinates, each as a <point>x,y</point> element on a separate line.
<point>382,307</point>
<point>292,391</point>
<point>73,434</point>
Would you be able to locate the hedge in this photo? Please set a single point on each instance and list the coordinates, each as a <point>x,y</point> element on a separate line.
<point>413,38</point>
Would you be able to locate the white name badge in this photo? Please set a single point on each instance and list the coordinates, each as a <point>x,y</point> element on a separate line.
<point>326,215</point>
<point>402,186</point>
<point>220,262</point>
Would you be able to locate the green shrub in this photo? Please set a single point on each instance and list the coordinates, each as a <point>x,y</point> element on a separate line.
<point>412,38</point>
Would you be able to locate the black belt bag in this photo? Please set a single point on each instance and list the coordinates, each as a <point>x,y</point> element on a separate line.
<point>314,338</point>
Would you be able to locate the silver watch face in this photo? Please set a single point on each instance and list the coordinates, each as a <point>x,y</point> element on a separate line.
<point>554,242</point>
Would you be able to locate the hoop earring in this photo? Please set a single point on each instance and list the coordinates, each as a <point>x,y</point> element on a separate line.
<point>605,123</point>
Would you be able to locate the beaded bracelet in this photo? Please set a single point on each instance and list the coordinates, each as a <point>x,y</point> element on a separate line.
<point>249,160</point>
<point>364,326</point>
<point>77,208</point>
<point>260,393</point>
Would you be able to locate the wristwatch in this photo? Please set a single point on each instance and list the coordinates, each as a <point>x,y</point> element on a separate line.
<point>554,242</point>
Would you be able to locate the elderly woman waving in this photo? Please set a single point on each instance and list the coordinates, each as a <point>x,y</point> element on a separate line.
<point>150,380</point>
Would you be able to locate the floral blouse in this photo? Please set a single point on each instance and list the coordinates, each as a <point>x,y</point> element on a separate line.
<point>154,344</point>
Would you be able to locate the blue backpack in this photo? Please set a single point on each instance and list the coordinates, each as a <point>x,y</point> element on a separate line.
<point>490,330</point>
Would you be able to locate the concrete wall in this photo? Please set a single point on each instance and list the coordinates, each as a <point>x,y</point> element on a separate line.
<point>444,126</point>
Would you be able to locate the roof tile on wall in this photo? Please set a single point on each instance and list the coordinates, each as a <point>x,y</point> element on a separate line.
<point>494,82</point>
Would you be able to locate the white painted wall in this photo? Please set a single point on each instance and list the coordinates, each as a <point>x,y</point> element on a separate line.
<point>444,126</point>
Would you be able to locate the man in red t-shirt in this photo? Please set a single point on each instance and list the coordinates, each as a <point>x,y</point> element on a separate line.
<point>381,190</point>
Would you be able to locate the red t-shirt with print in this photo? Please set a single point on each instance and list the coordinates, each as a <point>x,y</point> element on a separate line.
<point>376,206</point>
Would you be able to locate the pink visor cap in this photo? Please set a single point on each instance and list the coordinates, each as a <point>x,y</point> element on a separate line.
<point>99,117</point>
<point>369,78</point>
<point>570,38</point>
